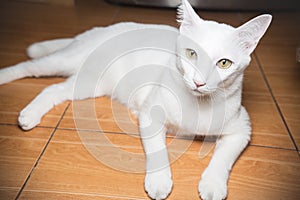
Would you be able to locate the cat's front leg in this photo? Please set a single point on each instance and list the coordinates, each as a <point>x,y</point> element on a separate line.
<point>213,184</point>
<point>53,95</point>
<point>158,180</point>
<point>158,184</point>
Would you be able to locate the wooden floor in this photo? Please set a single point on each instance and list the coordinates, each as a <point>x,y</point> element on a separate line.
<point>51,162</point>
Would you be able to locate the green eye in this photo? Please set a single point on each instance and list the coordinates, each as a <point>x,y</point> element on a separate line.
<point>224,63</point>
<point>190,53</point>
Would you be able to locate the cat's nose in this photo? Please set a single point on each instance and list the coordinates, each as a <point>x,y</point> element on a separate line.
<point>198,84</point>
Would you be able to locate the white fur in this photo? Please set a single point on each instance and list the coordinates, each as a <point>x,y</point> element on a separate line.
<point>209,109</point>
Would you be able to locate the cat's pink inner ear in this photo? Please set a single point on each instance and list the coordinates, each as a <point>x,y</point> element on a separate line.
<point>248,35</point>
<point>186,16</point>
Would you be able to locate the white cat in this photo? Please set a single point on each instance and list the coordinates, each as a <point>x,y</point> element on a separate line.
<point>205,75</point>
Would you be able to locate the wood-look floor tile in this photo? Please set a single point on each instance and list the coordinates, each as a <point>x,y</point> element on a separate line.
<point>68,166</point>
<point>277,57</point>
<point>93,13</point>
<point>260,173</point>
<point>17,42</point>
<point>19,152</point>
<point>283,83</point>
<point>290,107</point>
<point>253,80</point>
<point>284,29</point>
<point>32,194</point>
<point>267,126</point>
<point>14,97</point>
<point>281,68</point>
<point>230,18</point>
<point>22,16</point>
<point>264,173</point>
<point>24,23</point>
<point>253,83</point>
<point>8,193</point>
<point>93,138</point>
<point>282,73</point>
<point>8,59</point>
<point>147,15</point>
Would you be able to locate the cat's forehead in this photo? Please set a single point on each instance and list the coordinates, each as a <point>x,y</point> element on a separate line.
<point>209,35</point>
<point>211,31</point>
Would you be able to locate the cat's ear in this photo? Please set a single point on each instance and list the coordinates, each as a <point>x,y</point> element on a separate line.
<point>248,35</point>
<point>186,16</point>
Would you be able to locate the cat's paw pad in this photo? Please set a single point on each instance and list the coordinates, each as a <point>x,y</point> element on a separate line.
<point>212,189</point>
<point>28,120</point>
<point>158,185</point>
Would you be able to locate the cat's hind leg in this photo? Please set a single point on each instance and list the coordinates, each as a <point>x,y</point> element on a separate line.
<point>40,49</point>
<point>53,95</point>
<point>60,63</point>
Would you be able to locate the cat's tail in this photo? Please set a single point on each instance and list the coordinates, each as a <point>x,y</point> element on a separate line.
<point>44,48</point>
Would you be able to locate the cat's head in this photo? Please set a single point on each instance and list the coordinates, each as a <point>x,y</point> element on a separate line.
<point>213,55</point>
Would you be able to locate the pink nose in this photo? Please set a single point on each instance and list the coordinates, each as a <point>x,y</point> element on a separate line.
<point>199,84</point>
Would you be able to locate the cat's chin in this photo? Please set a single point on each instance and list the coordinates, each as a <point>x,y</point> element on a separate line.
<point>199,93</point>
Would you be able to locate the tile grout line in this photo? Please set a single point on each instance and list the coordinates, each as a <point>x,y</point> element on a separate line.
<point>169,136</point>
<point>275,101</point>
<point>88,194</point>
<point>41,154</point>
<point>16,124</point>
<point>271,147</point>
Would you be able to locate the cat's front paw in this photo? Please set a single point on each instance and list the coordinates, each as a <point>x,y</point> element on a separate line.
<point>212,188</point>
<point>158,184</point>
<point>28,120</point>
